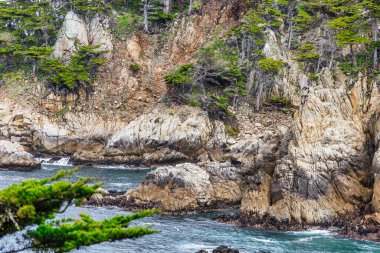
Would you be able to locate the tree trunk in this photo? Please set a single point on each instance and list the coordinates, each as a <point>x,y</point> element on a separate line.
<point>34,67</point>
<point>167,6</point>
<point>191,6</point>
<point>259,92</point>
<point>354,62</point>
<point>290,22</point>
<point>375,50</point>
<point>146,24</point>
<point>331,60</point>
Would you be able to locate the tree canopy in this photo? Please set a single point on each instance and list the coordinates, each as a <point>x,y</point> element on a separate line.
<point>37,202</point>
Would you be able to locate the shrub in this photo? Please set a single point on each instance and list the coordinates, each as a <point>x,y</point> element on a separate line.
<point>193,102</point>
<point>279,101</point>
<point>307,53</point>
<point>80,72</point>
<point>180,76</point>
<point>127,23</point>
<point>270,65</point>
<point>231,130</point>
<point>135,67</point>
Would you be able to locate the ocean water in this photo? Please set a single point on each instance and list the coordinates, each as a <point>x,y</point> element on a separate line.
<point>188,233</point>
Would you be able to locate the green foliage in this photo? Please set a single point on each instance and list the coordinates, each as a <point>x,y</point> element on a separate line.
<point>363,62</point>
<point>270,65</point>
<point>135,67</point>
<point>348,37</point>
<point>217,107</point>
<point>180,76</point>
<point>27,31</point>
<point>279,101</point>
<point>304,19</point>
<point>33,201</point>
<point>27,211</point>
<point>193,102</point>
<point>37,53</point>
<point>88,8</point>
<point>214,81</point>
<point>313,77</point>
<point>127,23</point>
<point>350,22</point>
<point>307,53</point>
<point>232,130</point>
<point>79,72</point>
<point>64,236</point>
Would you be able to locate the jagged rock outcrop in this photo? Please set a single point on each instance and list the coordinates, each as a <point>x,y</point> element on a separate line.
<point>81,135</point>
<point>188,187</point>
<point>76,29</point>
<point>167,134</point>
<point>374,126</point>
<point>183,187</point>
<point>326,172</point>
<point>13,156</point>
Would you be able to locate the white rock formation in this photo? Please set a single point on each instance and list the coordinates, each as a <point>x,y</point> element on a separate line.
<point>13,156</point>
<point>76,30</point>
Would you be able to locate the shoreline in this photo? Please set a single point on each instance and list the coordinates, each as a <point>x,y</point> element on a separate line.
<point>109,163</point>
<point>348,226</point>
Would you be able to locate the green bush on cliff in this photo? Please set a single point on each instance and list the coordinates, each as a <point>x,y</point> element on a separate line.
<point>127,23</point>
<point>270,65</point>
<point>307,53</point>
<point>27,31</point>
<point>214,82</point>
<point>135,67</point>
<point>180,76</point>
<point>304,19</point>
<point>79,72</point>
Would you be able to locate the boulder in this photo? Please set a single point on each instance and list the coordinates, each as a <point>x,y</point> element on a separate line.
<point>188,187</point>
<point>13,157</point>
<point>183,187</point>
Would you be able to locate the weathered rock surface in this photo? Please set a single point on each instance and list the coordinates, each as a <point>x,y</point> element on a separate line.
<point>188,187</point>
<point>75,29</point>
<point>13,156</point>
<point>76,134</point>
<point>326,172</point>
<point>166,135</point>
<point>183,187</point>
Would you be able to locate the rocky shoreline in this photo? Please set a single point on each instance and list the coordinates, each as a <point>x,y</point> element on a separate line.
<point>350,226</point>
<point>363,224</point>
<point>360,226</point>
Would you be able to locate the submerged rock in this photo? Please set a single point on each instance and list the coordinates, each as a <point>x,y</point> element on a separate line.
<point>221,249</point>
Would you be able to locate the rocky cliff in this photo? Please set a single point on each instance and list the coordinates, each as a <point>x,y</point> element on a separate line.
<point>311,162</point>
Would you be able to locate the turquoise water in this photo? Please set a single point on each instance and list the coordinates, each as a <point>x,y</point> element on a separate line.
<point>190,233</point>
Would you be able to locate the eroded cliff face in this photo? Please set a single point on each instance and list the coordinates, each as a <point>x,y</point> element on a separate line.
<point>122,99</point>
<point>320,163</point>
